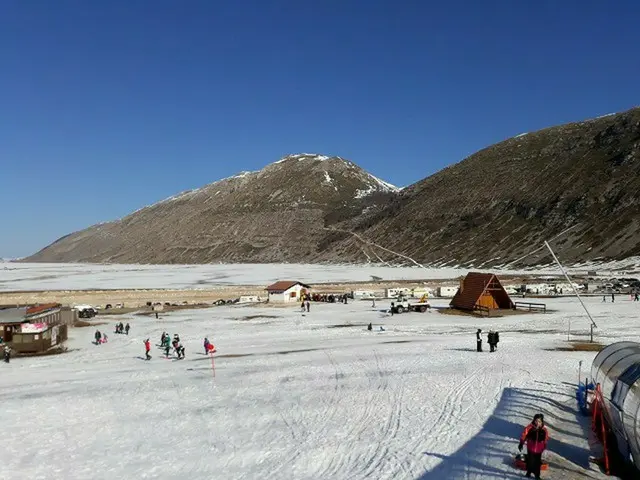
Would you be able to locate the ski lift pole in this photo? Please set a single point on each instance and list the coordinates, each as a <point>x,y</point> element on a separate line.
<point>575,290</point>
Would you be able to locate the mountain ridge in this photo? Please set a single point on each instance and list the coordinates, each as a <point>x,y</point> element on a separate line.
<point>577,183</point>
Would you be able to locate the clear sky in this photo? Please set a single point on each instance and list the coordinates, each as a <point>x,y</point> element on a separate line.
<point>106,106</point>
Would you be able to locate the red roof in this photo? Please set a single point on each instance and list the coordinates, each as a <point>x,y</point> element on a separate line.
<point>41,308</point>
<point>474,285</point>
<point>284,285</point>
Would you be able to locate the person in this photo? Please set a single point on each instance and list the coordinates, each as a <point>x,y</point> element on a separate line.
<point>613,297</point>
<point>147,348</point>
<point>98,336</point>
<point>491,340</point>
<point>478,340</point>
<point>393,307</point>
<point>7,354</point>
<point>308,305</point>
<point>126,329</point>
<point>156,315</point>
<point>536,437</point>
<point>302,306</point>
<point>496,338</point>
<point>206,345</point>
<point>369,327</point>
<point>105,338</point>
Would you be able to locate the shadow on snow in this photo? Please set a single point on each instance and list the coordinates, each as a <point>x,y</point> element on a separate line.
<point>490,453</point>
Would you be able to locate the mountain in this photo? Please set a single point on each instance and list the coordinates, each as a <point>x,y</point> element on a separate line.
<point>578,182</point>
<point>576,185</point>
<point>276,214</point>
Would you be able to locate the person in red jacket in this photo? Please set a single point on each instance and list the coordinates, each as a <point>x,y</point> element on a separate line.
<point>536,436</point>
<point>147,348</point>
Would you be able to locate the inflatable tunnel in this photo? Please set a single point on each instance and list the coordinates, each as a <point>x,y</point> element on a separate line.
<point>617,369</point>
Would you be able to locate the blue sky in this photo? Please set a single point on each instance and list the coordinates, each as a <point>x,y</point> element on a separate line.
<point>109,106</point>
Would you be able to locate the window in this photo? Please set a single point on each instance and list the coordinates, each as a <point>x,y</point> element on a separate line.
<point>36,337</point>
<point>630,376</point>
<point>17,338</point>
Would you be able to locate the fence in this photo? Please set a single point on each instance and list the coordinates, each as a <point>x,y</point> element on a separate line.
<point>531,307</point>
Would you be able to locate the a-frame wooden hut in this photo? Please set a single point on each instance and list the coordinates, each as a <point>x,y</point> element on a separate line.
<point>481,291</point>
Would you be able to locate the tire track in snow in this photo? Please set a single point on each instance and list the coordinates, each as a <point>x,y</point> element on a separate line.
<point>300,433</point>
<point>452,410</point>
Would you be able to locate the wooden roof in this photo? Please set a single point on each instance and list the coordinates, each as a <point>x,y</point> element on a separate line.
<point>284,285</point>
<point>474,285</point>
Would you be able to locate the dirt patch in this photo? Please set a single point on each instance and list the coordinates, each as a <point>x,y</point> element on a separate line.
<point>579,347</point>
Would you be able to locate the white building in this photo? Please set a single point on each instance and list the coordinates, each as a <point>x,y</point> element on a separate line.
<point>394,292</point>
<point>286,291</point>
<point>447,292</point>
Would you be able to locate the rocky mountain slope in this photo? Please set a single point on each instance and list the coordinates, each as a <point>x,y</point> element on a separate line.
<point>578,182</point>
<point>274,215</point>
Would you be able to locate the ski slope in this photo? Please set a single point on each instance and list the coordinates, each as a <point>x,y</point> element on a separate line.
<point>303,396</point>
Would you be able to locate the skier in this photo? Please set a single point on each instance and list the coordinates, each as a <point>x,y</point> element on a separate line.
<point>126,329</point>
<point>206,345</point>
<point>179,350</point>
<point>369,327</point>
<point>147,348</point>
<point>536,436</point>
<point>393,306</point>
<point>613,297</point>
<point>117,330</point>
<point>496,338</point>
<point>7,354</point>
<point>308,305</point>
<point>156,315</point>
<point>98,336</point>
<point>104,338</point>
<point>478,340</point>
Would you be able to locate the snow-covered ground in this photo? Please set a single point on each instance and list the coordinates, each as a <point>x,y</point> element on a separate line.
<point>75,276</point>
<point>313,396</point>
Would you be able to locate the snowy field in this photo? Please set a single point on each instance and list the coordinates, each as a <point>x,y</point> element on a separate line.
<point>313,396</point>
<point>73,276</point>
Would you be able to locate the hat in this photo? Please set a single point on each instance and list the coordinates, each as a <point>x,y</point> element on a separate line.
<point>538,416</point>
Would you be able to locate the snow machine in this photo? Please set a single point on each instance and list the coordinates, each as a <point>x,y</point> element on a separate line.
<point>521,462</point>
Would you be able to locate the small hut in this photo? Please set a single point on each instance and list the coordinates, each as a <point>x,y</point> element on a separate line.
<point>481,291</point>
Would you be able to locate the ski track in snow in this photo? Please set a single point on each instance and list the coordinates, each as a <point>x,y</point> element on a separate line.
<point>294,397</point>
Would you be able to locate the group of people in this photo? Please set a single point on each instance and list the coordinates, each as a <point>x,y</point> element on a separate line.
<point>492,339</point>
<point>120,328</point>
<point>100,337</point>
<point>166,343</point>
